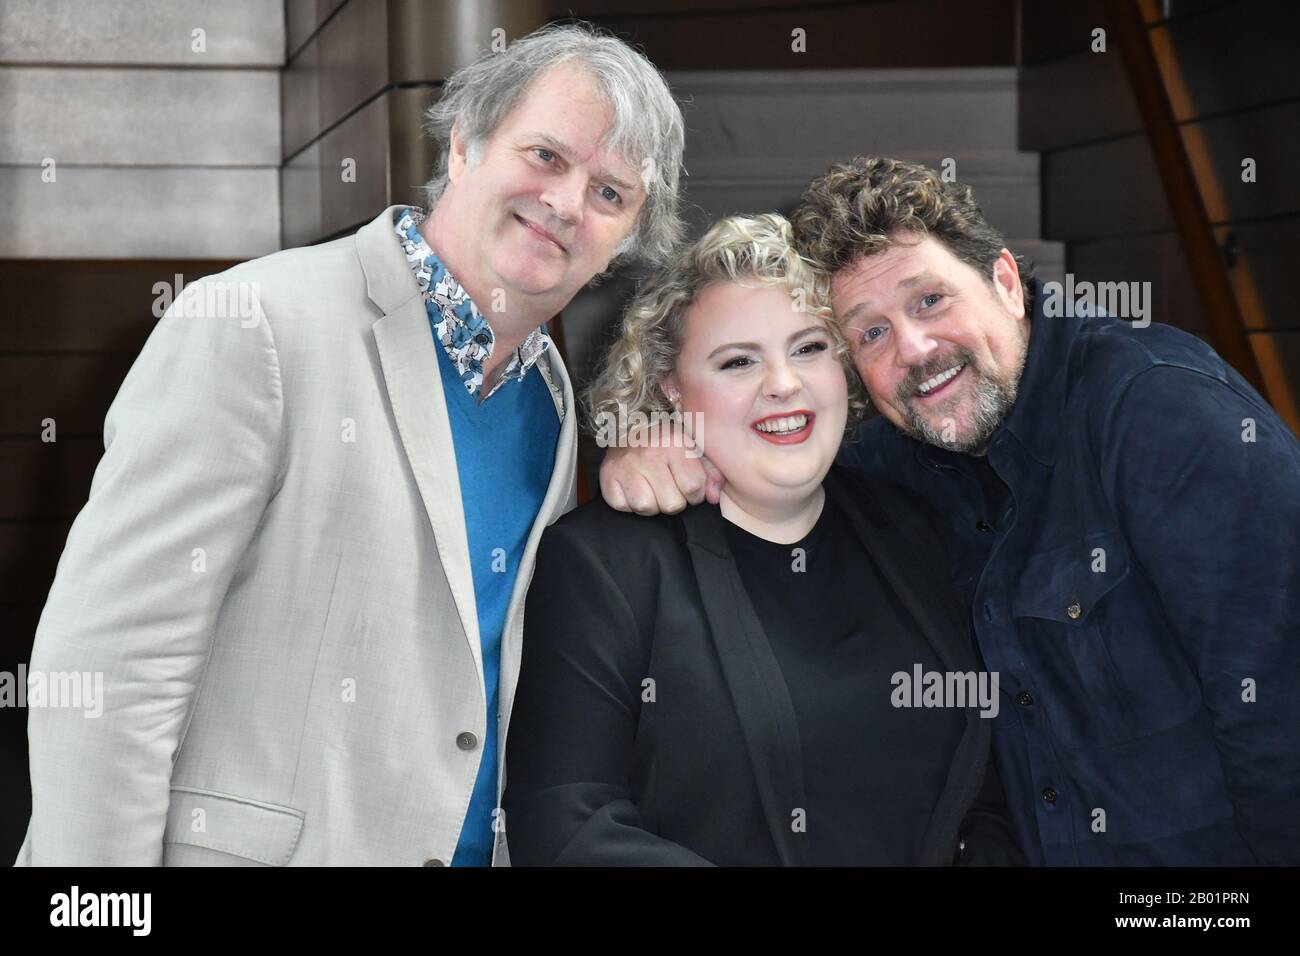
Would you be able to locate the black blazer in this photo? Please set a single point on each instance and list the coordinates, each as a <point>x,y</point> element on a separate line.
<point>651,724</point>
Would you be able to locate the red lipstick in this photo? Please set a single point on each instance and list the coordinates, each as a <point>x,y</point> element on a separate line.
<point>794,436</point>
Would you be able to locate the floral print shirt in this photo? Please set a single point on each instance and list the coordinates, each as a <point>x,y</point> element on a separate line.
<point>457,323</point>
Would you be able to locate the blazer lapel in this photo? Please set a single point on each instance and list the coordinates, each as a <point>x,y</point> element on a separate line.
<point>758,690</point>
<point>414,383</point>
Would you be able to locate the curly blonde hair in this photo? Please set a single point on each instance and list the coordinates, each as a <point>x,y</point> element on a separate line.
<point>857,207</point>
<point>735,249</point>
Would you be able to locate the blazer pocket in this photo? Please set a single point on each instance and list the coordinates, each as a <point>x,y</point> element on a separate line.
<point>262,832</point>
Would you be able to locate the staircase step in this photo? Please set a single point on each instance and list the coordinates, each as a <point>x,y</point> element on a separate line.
<point>751,113</point>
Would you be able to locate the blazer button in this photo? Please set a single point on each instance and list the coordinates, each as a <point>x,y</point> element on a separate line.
<point>1074,611</point>
<point>1049,794</point>
<point>1024,698</point>
<point>434,863</point>
<point>983,527</point>
<point>466,741</point>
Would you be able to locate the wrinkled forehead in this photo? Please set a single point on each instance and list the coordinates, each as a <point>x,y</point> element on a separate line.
<point>879,280</point>
<point>568,110</point>
<point>870,281</point>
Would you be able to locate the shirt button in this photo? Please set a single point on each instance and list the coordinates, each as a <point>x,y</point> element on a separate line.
<point>1024,698</point>
<point>481,339</point>
<point>466,741</point>
<point>983,527</point>
<point>1074,611</point>
<point>434,863</point>
<point>1049,794</point>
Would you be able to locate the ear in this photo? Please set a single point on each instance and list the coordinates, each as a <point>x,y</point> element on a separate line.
<point>672,391</point>
<point>457,158</point>
<point>1007,285</point>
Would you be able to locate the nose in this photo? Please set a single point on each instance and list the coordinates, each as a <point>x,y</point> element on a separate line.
<point>780,382</point>
<point>563,195</point>
<point>912,344</point>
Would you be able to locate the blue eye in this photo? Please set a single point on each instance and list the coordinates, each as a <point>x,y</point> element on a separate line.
<point>868,337</point>
<point>925,300</point>
<point>545,154</point>
<point>612,196</point>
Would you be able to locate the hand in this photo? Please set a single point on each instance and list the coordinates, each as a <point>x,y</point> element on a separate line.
<point>658,480</point>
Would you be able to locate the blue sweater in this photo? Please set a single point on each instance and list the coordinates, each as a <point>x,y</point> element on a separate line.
<point>505,453</point>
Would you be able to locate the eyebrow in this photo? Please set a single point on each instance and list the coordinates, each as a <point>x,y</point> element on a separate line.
<point>926,276</point>
<point>555,146</point>
<point>755,347</point>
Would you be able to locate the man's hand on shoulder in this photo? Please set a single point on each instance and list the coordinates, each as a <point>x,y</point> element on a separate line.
<point>658,479</point>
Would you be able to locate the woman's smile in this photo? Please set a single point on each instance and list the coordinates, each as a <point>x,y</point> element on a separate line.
<point>788,428</point>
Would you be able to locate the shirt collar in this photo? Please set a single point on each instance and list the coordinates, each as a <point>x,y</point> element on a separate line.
<point>464,332</point>
<point>1035,419</point>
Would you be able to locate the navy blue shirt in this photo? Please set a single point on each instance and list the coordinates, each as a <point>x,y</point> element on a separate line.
<point>1137,588</point>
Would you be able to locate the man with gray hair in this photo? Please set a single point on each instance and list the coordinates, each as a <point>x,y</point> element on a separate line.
<point>302,565</point>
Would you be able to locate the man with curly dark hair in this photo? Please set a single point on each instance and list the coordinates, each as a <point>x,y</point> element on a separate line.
<point>1123,518</point>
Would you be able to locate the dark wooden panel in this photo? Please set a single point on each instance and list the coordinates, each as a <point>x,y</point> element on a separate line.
<point>46,479</point>
<point>1050,28</point>
<point>1232,56</point>
<point>17,626</point>
<point>29,554</point>
<point>597,10</point>
<point>74,390</point>
<point>1157,259</point>
<point>410,152</point>
<point>428,40</point>
<point>1174,10</point>
<point>1270,136</point>
<point>911,33</point>
<point>1112,188</point>
<point>54,304</point>
<point>1278,354</point>
<point>1263,277</point>
<point>1075,99</point>
<point>1105,189</point>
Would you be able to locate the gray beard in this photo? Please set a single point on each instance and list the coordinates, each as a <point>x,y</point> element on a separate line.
<point>993,402</point>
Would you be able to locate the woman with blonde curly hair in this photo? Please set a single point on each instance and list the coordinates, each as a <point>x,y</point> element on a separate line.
<point>725,685</point>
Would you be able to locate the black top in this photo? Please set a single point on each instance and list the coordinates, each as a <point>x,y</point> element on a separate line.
<point>872,772</point>
<point>652,723</point>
